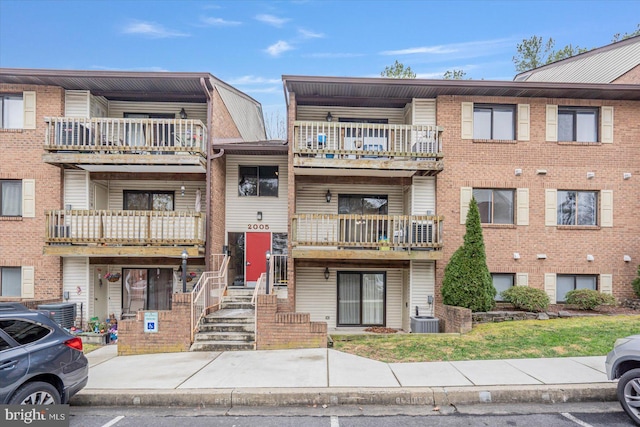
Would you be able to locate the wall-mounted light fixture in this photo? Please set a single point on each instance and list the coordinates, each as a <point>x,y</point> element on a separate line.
<point>183,114</point>
<point>329,116</point>
<point>541,256</point>
<point>591,175</point>
<point>626,175</point>
<point>541,171</point>
<point>259,216</point>
<point>626,258</point>
<point>590,258</point>
<point>327,273</point>
<point>518,172</point>
<point>328,196</point>
<point>516,255</point>
<point>182,190</point>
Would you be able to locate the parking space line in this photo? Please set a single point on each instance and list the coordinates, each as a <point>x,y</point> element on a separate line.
<point>113,421</point>
<point>334,421</point>
<point>575,420</point>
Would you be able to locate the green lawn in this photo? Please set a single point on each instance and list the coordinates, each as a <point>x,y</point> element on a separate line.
<point>581,336</point>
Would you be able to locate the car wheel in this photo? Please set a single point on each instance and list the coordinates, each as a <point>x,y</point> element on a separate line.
<point>629,394</point>
<point>36,393</point>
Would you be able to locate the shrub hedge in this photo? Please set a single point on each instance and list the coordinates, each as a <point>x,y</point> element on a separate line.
<point>588,299</point>
<point>526,298</point>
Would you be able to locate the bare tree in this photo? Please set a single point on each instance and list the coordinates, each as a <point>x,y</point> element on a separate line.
<point>275,125</point>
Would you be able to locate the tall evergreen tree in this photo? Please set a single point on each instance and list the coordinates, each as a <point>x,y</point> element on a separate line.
<point>467,281</point>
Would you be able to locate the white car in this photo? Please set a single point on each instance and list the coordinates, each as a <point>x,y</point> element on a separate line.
<point>623,363</point>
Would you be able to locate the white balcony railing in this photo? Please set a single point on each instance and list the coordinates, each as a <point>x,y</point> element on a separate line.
<point>125,227</point>
<point>110,135</point>
<point>207,294</point>
<point>368,231</point>
<point>367,140</point>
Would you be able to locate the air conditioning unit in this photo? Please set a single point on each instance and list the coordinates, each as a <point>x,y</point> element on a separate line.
<point>63,314</point>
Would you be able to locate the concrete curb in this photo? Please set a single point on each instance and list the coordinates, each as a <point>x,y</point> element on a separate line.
<point>433,396</point>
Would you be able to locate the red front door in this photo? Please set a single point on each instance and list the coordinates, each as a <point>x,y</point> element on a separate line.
<point>256,247</point>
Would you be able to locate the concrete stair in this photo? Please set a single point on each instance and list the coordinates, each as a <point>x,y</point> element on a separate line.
<point>230,328</point>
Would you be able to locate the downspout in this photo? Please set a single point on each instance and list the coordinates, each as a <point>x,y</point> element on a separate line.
<point>207,228</point>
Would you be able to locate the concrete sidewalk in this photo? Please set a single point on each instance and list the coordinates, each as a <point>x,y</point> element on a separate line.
<point>326,376</point>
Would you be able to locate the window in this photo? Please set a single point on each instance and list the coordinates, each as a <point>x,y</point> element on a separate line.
<point>566,283</point>
<point>10,197</point>
<point>261,181</point>
<point>22,331</point>
<point>11,112</point>
<point>494,121</point>
<point>361,298</point>
<point>10,281</point>
<point>148,200</point>
<point>577,124</point>
<point>502,282</point>
<point>577,208</point>
<point>495,206</point>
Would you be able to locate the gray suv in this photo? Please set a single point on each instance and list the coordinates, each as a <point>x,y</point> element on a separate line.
<point>623,363</point>
<point>40,363</point>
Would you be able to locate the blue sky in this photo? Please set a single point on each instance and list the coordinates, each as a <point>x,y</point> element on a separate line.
<point>251,44</point>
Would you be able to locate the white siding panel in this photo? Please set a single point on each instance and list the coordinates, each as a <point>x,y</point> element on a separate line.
<point>422,285</point>
<point>181,203</point>
<point>99,106</point>
<point>77,103</point>
<point>76,189</point>
<point>318,296</point>
<point>310,198</point>
<point>424,195</point>
<point>241,211</point>
<point>424,112</point>
<point>394,299</point>
<point>75,280</point>
<point>316,113</point>
<point>194,111</point>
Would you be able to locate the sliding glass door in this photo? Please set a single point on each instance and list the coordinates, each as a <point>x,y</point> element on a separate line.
<point>361,298</point>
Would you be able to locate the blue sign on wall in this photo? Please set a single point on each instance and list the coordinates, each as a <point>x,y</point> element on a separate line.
<point>151,321</point>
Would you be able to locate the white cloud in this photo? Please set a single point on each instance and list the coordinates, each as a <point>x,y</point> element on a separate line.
<point>308,34</point>
<point>252,80</point>
<point>219,22</point>
<point>272,20</point>
<point>151,30</point>
<point>477,47</point>
<point>278,48</point>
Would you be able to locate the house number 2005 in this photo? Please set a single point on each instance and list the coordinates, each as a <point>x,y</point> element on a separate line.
<point>257,226</point>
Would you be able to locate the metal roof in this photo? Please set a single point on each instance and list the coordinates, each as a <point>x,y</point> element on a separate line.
<point>389,92</point>
<point>602,65</point>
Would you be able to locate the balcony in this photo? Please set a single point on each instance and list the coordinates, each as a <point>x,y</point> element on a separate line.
<point>124,145</point>
<point>123,233</point>
<point>335,236</point>
<point>330,148</point>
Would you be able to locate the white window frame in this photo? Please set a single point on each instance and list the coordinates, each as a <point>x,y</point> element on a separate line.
<point>495,122</point>
<point>11,111</point>
<point>576,127</point>
<point>492,204</point>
